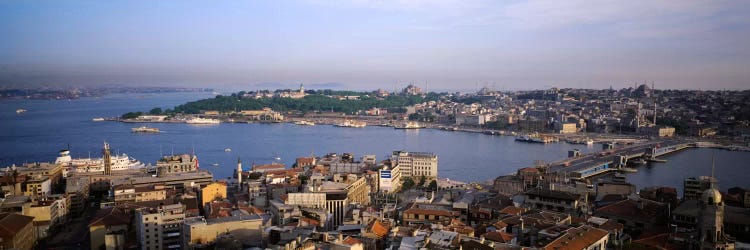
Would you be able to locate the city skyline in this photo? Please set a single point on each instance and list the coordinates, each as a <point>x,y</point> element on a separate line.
<point>445,45</point>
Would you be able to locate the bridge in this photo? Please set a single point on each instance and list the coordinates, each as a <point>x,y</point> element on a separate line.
<point>589,165</point>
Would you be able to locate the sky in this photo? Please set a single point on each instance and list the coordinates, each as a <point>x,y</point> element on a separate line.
<point>370,44</point>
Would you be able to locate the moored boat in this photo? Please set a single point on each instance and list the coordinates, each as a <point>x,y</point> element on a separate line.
<point>145,129</point>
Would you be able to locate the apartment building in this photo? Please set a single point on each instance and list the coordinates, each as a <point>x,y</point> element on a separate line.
<point>416,164</point>
<point>159,228</point>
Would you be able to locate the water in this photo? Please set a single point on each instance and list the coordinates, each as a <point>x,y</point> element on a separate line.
<point>732,169</point>
<point>49,126</point>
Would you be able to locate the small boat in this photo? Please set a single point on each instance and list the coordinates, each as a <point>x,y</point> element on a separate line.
<point>305,123</point>
<point>409,125</point>
<point>215,164</point>
<point>628,170</point>
<point>640,161</point>
<point>351,124</point>
<point>98,119</point>
<point>144,129</point>
<point>227,150</point>
<point>657,160</point>
<point>18,111</point>
<point>198,120</point>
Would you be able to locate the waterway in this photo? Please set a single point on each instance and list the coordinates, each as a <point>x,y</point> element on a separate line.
<point>51,125</point>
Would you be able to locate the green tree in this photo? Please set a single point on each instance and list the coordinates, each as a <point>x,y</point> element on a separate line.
<point>131,115</point>
<point>422,179</point>
<point>432,186</point>
<point>407,183</point>
<point>155,111</point>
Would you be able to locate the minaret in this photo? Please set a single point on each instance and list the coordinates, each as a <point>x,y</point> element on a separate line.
<point>107,159</point>
<point>239,174</point>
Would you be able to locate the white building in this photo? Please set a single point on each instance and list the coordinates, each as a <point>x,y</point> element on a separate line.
<point>416,164</point>
<point>159,228</point>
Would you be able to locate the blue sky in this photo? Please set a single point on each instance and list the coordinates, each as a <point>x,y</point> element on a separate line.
<point>363,44</point>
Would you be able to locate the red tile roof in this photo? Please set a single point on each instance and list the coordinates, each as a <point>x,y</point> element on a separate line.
<point>577,238</point>
<point>11,224</point>
<point>500,237</point>
<point>110,217</point>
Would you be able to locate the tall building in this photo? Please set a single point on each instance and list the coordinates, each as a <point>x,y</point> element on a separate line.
<point>107,158</point>
<point>693,187</point>
<point>416,164</point>
<point>159,228</point>
<point>239,175</point>
<point>711,221</point>
<point>213,191</point>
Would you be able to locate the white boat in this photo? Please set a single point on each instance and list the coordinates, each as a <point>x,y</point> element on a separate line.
<point>198,120</point>
<point>535,138</point>
<point>144,129</point>
<point>215,164</point>
<point>409,125</point>
<point>98,119</point>
<point>18,111</point>
<point>227,150</point>
<point>305,123</point>
<point>88,165</point>
<point>351,124</point>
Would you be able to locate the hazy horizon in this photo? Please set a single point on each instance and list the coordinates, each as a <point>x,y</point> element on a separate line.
<point>371,44</point>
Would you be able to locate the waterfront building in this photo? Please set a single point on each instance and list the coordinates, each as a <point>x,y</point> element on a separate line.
<point>416,164</point>
<point>176,164</point>
<point>199,232</point>
<point>159,228</point>
<point>693,187</point>
<point>568,128</point>
<point>265,114</point>
<point>16,231</point>
<point>212,192</point>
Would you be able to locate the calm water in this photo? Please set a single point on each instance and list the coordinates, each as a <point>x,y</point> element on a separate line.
<point>48,126</point>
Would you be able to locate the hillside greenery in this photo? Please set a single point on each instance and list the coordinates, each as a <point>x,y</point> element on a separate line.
<point>315,101</point>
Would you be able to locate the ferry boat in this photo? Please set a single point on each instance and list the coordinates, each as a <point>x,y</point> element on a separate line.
<point>18,111</point>
<point>409,125</point>
<point>305,123</point>
<point>144,129</point>
<point>535,138</point>
<point>586,141</point>
<point>98,119</point>
<point>198,120</point>
<point>351,124</point>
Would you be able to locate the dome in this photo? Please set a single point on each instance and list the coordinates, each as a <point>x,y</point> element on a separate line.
<point>711,196</point>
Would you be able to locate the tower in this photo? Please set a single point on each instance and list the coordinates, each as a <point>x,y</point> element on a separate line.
<point>301,88</point>
<point>107,159</point>
<point>239,174</point>
<point>711,218</point>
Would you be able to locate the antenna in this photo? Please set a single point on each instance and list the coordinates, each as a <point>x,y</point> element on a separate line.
<point>713,166</point>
